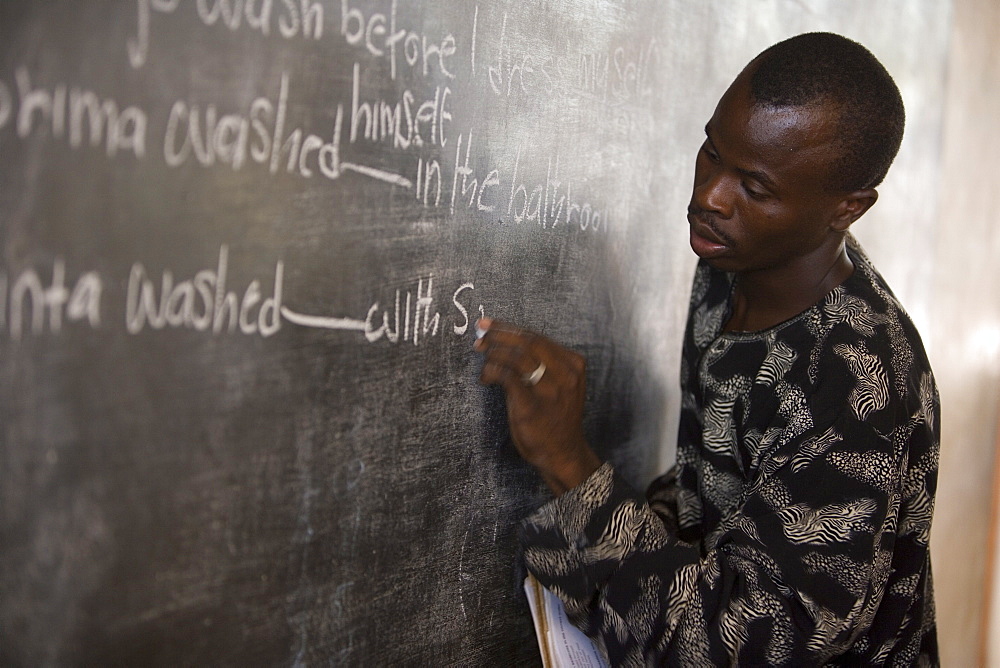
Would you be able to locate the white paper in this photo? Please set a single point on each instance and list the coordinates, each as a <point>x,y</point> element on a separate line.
<point>562,645</point>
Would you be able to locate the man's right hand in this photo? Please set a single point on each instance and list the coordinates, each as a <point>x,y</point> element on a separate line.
<point>545,386</point>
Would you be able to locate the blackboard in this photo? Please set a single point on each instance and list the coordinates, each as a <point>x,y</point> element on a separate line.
<point>243,242</point>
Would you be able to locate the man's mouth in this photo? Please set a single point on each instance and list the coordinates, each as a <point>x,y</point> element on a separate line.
<point>705,241</point>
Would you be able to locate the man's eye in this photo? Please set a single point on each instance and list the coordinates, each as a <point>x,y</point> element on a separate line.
<point>707,150</point>
<point>755,193</point>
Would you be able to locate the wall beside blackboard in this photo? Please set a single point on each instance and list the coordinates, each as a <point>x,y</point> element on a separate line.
<point>243,243</point>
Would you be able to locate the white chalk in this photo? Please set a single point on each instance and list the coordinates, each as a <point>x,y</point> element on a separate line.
<point>480,333</point>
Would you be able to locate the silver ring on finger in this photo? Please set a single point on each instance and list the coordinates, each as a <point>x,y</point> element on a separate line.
<point>531,379</point>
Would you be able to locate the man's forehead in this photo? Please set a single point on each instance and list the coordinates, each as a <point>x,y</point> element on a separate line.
<point>792,129</point>
<point>774,139</point>
<point>783,125</point>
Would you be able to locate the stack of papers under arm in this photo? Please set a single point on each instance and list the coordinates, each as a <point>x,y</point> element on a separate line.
<point>562,645</point>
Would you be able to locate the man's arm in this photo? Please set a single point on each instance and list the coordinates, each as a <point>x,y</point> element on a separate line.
<point>794,574</point>
<point>793,577</point>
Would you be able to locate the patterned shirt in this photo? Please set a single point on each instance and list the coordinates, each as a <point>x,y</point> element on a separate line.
<point>794,528</point>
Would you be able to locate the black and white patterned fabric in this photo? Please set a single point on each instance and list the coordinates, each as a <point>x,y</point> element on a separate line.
<point>794,528</point>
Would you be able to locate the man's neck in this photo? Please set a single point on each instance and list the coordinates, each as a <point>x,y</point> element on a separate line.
<point>765,298</point>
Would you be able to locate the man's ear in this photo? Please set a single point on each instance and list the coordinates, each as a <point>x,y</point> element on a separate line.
<point>851,207</point>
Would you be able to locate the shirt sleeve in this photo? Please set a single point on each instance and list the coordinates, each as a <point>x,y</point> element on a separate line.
<point>792,576</point>
<point>583,545</point>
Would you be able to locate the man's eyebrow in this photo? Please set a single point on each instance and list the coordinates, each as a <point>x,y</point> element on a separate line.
<point>761,177</point>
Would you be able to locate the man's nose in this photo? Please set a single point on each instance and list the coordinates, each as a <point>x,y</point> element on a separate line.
<point>713,193</point>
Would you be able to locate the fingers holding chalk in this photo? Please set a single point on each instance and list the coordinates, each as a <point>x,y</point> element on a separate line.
<point>482,326</point>
<point>545,389</point>
<point>512,355</point>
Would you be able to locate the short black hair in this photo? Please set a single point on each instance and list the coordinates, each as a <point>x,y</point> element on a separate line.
<point>824,68</point>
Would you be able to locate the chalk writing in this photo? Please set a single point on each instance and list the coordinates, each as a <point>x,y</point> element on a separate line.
<point>428,182</point>
<point>463,327</point>
<point>263,132</point>
<point>6,104</point>
<point>291,19</point>
<point>79,116</point>
<point>206,137</point>
<point>415,121</point>
<point>26,300</point>
<point>475,29</point>
<point>549,204</point>
<point>622,75</point>
<point>507,70</point>
<point>632,72</point>
<point>259,134</point>
<point>411,316</point>
<point>544,204</point>
<point>380,37</point>
<point>306,15</point>
<point>380,120</point>
<point>471,187</point>
<point>202,302</point>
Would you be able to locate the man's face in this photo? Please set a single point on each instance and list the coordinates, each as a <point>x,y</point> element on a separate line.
<point>760,198</point>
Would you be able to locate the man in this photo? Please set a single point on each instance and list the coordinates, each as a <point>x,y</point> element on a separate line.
<point>794,528</point>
